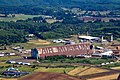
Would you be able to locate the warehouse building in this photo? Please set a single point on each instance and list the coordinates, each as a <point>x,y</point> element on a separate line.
<point>88,39</point>
<point>67,50</point>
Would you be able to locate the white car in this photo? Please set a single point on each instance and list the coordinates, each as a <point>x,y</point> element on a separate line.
<point>111,62</point>
<point>107,63</point>
<point>26,64</point>
<point>58,41</point>
<point>103,64</point>
<point>11,62</point>
<point>19,63</point>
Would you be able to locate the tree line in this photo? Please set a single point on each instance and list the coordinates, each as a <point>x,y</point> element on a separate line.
<point>13,32</point>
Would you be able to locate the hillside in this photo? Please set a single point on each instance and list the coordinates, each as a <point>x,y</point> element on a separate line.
<point>48,76</point>
<point>32,2</point>
<point>83,4</point>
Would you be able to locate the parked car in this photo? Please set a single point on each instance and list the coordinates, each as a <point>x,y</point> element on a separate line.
<point>102,64</point>
<point>11,62</point>
<point>20,63</point>
<point>58,41</point>
<point>69,42</point>
<point>1,54</point>
<point>26,63</point>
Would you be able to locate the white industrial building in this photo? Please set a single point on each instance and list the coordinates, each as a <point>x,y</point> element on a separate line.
<point>89,39</point>
<point>104,53</point>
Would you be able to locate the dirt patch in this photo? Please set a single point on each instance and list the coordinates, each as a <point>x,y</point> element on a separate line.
<point>48,76</point>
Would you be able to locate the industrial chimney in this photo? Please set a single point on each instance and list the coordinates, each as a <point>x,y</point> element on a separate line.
<point>111,38</point>
<point>87,33</point>
<point>102,38</point>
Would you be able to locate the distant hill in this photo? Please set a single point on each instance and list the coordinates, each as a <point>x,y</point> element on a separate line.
<point>83,4</point>
<point>18,2</point>
<point>34,2</point>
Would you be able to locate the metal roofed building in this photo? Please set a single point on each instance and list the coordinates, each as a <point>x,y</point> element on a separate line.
<point>88,38</point>
<point>67,50</point>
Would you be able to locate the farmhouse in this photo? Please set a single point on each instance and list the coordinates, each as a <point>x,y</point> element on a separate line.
<point>67,50</point>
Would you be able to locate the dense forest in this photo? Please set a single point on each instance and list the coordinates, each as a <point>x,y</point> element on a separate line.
<point>12,32</point>
<point>42,6</point>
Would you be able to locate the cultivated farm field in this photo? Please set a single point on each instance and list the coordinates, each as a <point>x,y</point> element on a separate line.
<point>36,44</point>
<point>55,70</point>
<point>110,77</point>
<point>39,42</point>
<point>80,71</point>
<point>18,17</point>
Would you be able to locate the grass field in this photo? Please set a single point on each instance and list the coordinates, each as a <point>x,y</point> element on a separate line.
<point>118,39</point>
<point>8,58</point>
<point>18,17</point>
<point>26,69</point>
<point>55,70</point>
<point>110,77</point>
<point>116,68</point>
<point>70,71</point>
<point>8,79</point>
<point>77,70</point>
<point>86,71</point>
<point>39,42</point>
<point>93,71</point>
<point>4,66</point>
<point>52,20</point>
<point>36,43</point>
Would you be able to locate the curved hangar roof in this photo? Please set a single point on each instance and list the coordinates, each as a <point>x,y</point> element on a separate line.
<point>88,37</point>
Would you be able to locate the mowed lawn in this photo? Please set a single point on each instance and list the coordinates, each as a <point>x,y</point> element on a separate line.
<point>18,17</point>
